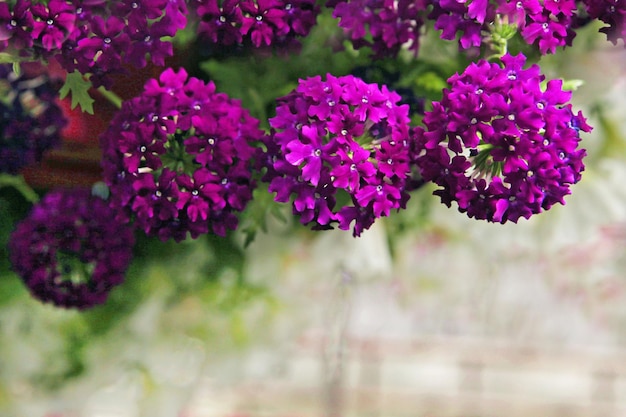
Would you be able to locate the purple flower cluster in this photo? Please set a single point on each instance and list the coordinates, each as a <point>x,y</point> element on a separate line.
<point>30,119</point>
<point>96,37</point>
<point>611,12</point>
<point>178,158</point>
<point>389,24</point>
<point>340,148</point>
<point>501,145</point>
<point>70,250</point>
<point>260,23</point>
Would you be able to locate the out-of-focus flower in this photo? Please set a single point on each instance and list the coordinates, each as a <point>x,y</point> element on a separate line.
<point>611,12</point>
<point>501,145</point>
<point>30,119</point>
<point>70,250</point>
<point>178,158</point>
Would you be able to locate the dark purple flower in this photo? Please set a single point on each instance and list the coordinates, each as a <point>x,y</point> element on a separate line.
<point>499,144</point>
<point>611,12</point>
<point>16,24</point>
<point>340,151</point>
<point>70,250</point>
<point>53,23</point>
<point>178,158</point>
<point>30,119</point>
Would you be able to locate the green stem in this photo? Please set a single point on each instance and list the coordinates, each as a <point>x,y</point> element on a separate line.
<point>19,183</point>
<point>111,97</point>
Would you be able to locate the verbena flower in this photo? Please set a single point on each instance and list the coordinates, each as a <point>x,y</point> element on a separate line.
<point>383,25</point>
<point>501,143</point>
<point>339,151</point>
<point>70,250</point>
<point>259,23</point>
<point>178,158</point>
<point>30,119</point>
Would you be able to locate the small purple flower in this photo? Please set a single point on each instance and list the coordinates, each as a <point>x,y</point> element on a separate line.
<point>178,158</point>
<point>30,119</point>
<point>499,144</point>
<point>15,25</point>
<point>70,250</point>
<point>340,151</point>
<point>53,23</point>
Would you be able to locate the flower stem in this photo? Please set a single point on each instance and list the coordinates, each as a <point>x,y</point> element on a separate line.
<point>111,97</point>
<point>19,183</point>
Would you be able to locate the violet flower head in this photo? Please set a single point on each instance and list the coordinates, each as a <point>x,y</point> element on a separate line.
<point>70,250</point>
<point>178,158</point>
<point>501,145</point>
<point>389,24</point>
<point>339,151</point>
<point>30,119</point>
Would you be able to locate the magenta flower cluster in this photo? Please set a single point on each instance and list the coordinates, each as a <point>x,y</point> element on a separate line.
<point>501,145</point>
<point>383,25</point>
<point>70,250</point>
<point>340,148</point>
<point>178,158</point>
<point>260,23</point>
<point>30,120</point>
<point>96,37</point>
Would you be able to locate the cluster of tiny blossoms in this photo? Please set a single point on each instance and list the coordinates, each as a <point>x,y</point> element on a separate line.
<point>178,158</point>
<point>96,37</point>
<point>340,148</point>
<point>30,120</point>
<point>260,23</point>
<point>499,144</point>
<point>384,25</point>
<point>70,250</point>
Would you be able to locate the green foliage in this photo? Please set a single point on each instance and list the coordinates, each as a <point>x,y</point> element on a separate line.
<point>78,86</point>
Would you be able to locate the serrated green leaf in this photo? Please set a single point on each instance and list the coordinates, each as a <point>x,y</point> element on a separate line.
<point>76,84</point>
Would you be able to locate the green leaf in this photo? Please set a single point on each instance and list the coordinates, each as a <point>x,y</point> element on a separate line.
<point>79,87</point>
<point>6,58</point>
<point>572,85</point>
